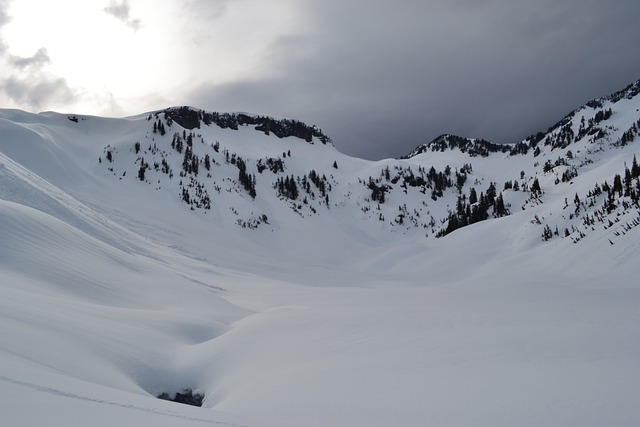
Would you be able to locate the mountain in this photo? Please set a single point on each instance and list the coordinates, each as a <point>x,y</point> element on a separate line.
<point>243,262</point>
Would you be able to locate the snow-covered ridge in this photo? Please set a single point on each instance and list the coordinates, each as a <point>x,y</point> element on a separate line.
<point>440,187</point>
<point>252,171</point>
<point>191,118</point>
<point>553,136</point>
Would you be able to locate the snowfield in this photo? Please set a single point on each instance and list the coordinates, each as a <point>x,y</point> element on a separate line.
<point>113,290</point>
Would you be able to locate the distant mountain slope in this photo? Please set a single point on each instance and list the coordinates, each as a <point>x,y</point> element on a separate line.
<point>582,169</point>
<point>440,187</point>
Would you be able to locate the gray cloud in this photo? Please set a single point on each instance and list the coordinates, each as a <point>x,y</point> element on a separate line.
<point>25,81</point>
<point>383,77</point>
<point>4,19</point>
<point>121,11</point>
<point>37,91</point>
<point>40,58</point>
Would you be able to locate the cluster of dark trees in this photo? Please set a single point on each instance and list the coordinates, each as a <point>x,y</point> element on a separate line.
<point>535,189</point>
<point>512,185</point>
<point>190,118</point>
<point>590,127</point>
<point>248,181</point>
<point>629,92</point>
<point>475,209</point>
<point>547,233</point>
<point>143,167</point>
<point>198,197</point>
<point>623,193</point>
<point>474,147</point>
<point>600,116</point>
<point>177,143</point>
<point>275,165</point>
<point>562,139</point>
<point>190,162</point>
<point>434,180</point>
<point>287,187</point>
<point>254,222</point>
<point>158,127</point>
<point>568,175</point>
<point>548,165</point>
<point>629,186</point>
<point>187,397</point>
<point>629,135</point>
<point>321,182</point>
<point>378,191</point>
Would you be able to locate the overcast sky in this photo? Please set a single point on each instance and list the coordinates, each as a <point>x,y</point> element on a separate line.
<point>380,77</point>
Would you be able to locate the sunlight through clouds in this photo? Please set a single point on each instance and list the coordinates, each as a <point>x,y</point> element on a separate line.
<point>161,53</point>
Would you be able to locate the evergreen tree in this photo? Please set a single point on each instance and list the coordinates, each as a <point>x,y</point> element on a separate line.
<point>617,185</point>
<point>252,189</point>
<point>499,208</point>
<point>635,169</point>
<point>535,187</point>
<point>195,162</point>
<point>142,169</point>
<point>627,182</point>
<point>491,194</point>
<point>473,196</point>
<point>186,161</point>
<point>291,188</point>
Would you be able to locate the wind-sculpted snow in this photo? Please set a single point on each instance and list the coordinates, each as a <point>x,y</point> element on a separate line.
<point>289,284</point>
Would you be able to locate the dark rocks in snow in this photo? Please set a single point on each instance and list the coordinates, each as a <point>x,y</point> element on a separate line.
<point>190,118</point>
<point>186,397</point>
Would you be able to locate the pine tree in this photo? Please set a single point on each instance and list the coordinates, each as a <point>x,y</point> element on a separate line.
<point>499,208</point>
<point>617,185</point>
<point>535,187</point>
<point>627,182</point>
<point>635,169</point>
<point>186,161</point>
<point>141,171</point>
<point>473,197</point>
<point>252,187</point>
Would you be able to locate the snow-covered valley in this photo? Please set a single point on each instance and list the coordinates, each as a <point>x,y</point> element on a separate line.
<point>466,284</point>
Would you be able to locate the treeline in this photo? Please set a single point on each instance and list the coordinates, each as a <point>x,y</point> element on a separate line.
<point>190,118</point>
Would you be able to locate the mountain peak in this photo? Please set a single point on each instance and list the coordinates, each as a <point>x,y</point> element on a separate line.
<point>192,118</point>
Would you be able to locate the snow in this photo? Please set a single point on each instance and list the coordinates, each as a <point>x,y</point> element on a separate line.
<point>113,291</point>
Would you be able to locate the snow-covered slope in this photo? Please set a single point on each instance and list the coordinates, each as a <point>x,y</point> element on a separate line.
<point>245,258</point>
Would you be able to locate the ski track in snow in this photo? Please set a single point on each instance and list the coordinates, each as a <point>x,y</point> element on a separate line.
<point>61,393</point>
